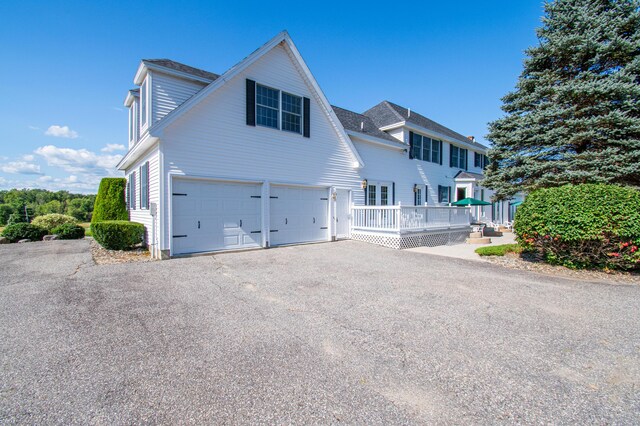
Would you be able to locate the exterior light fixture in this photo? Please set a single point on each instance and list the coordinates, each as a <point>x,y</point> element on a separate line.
<point>364,184</point>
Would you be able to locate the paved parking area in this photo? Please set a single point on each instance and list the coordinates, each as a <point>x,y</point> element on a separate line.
<point>329,333</point>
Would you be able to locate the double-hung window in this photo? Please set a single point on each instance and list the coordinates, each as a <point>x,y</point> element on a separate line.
<point>143,104</point>
<point>384,195</point>
<point>144,186</point>
<point>267,106</point>
<point>458,157</point>
<point>426,149</point>
<point>480,161</point>
<point>444,194</point>
<point>131,191</point>
<point>291,113</point>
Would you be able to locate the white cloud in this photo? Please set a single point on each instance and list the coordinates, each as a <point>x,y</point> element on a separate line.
<point>61,132</point>
<point>28,157</point>
<point>111,147</point>
<point>79,160</point>
<point>34,127</point>
<point>21,167</point>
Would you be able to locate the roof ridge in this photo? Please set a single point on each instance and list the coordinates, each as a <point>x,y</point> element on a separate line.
<point>389,105</point>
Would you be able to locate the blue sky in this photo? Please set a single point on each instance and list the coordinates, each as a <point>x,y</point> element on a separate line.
<point>66,66</point>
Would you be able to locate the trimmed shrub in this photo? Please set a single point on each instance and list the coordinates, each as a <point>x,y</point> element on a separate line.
<point>110,203</point>
<point>16,217</point>
<point>68,231</point>
<point>53,220</point>
<point>21,231</point>
<point>118,234</point>
<point>499,250</point>
<point>582,226</point>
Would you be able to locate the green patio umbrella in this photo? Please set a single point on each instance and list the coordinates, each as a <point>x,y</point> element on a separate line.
<point>517,203</point>
<point>470,202</point>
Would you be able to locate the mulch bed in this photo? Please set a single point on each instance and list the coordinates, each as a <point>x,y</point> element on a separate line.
<point>529,263</point>
<point>102,256</point>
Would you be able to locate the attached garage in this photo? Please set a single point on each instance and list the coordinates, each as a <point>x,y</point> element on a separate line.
<point>298,214</point>
<point>210,216</point>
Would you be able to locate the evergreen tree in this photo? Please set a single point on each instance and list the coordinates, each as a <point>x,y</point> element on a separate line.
<point>574,116</point>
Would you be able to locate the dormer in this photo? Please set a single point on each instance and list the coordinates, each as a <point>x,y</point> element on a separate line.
<point>165,85</point>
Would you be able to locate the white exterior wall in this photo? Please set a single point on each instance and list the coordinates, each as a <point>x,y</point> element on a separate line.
<point>144,215</point>
<point>392,165</point>
<point>213,140</point>
<point>169,92</point>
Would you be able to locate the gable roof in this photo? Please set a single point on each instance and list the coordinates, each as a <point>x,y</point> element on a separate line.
<point>361,124</point>
<point>281,38</point>
<point>177,66</point>
<point>387,113</point>
<point>468,175</point>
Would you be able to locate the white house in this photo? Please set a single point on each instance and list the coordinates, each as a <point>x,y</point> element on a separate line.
<point>257,157</point>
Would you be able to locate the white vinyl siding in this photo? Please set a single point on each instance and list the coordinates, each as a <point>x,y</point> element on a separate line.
<point>213,140</point>
<point>144,215</point>
<point>170,92</point>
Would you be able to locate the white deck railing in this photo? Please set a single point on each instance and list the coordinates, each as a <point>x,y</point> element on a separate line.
<point>408,218</point>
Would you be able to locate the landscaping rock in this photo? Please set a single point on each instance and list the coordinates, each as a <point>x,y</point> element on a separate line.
<point>26,240</point>
<point>50,237</point>
<point>3,240</point>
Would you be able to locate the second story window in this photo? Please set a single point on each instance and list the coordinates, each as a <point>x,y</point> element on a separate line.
<point>458,157</point>
<point>267,106</point>
<point>426,149</point>
<point>480,160</point>
<point>291,113</point>
<point>143,104</point>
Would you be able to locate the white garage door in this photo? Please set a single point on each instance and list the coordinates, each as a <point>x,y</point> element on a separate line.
<point>210,216</point>
<point>298,215</point>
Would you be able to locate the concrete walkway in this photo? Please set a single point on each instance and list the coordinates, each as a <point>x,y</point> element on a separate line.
<point>465,251</point>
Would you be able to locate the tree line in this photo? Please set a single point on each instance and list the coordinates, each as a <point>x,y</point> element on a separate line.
<point>22,205</point>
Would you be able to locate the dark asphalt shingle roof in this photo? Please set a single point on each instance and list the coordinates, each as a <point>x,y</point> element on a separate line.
<point>353,121</point>
<point>168,63</point>
<point>387,113</point>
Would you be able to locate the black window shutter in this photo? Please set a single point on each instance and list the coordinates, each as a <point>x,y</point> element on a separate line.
<point>366,200</point>
<point>449,193</point>
<point>441,153</point>
<point>415,197</point>
<point>251,103</point>
<point>410,145</point>
<point>147,194</point>
<point>306,116</point>
<point>393,193</point>
<point>439,193</point>
<point>426,192</point>
<point>450,155</point>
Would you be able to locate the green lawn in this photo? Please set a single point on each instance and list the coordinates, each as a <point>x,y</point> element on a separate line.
<point>87,228</point>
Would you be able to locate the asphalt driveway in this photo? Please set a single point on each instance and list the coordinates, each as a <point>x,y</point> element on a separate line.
<point>330,333</point>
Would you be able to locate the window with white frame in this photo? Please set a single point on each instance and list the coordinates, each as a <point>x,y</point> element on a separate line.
<point>144,186</point>
<point>458,157</point>
<point>418,196</point>
<point>143,103</point>
<point>384,195</point>
<point>371,195</point>
<point>444,194</point>
<point>426,149</point>
<point>267,106</point>
<point>291,113</point>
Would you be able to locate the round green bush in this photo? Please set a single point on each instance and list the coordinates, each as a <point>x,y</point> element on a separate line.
<point>110,203</point>
<point>68,231</point>
<point>582,226</point>
<point>21,231</point>
<point>118,234</point>
<point>53,220</point>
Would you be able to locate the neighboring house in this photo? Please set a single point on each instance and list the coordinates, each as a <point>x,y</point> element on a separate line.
<point>257,157</point>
